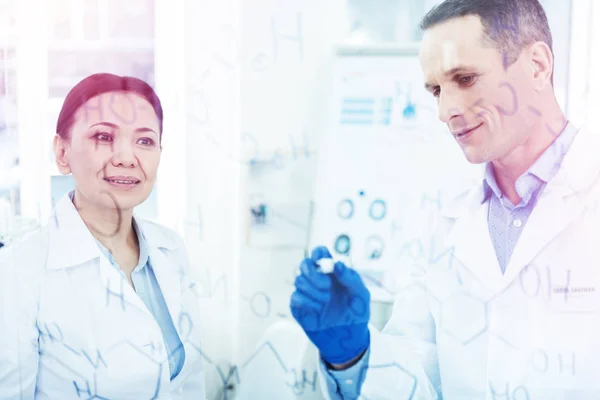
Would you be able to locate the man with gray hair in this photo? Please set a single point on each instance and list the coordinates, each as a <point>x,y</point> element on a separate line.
<point>506,302</point>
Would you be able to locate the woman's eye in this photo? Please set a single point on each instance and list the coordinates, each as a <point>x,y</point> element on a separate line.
<point>147,141</point>
<point>103,136</point>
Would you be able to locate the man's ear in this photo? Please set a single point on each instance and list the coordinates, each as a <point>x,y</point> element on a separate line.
<point>542,63</point>
<point>60,155</point>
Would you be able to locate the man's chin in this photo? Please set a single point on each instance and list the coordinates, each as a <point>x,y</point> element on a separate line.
<point>475,156</point>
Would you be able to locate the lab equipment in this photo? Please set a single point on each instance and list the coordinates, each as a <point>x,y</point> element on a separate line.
<point>374,247</point>
<point>259,214</point>
<point>342,244</point>
<point>346,209</point>
<point>377,210</point>
<point>334,313</point>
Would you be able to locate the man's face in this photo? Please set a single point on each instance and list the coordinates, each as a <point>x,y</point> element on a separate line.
<point>474,92</point>
<point>114,150</point>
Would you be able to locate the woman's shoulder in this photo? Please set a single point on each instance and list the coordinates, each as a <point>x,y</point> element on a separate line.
<point>26,257</point>
<point>32,244</point>
<point>167,240</point>
<point>160,235</point>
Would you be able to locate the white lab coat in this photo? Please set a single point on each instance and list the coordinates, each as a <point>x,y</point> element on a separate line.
<point>462,330</point>
<point>72,327</point>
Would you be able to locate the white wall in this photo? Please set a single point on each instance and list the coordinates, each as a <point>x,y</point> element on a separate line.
<point>559,15</point>
<point>583,61</point>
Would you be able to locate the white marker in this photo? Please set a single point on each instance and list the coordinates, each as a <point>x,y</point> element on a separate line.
<point>325,265</point>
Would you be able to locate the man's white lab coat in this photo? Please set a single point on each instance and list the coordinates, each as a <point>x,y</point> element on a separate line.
<point>462,330</point>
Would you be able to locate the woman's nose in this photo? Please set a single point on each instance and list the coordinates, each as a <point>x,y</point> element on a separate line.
<point>124,155</point>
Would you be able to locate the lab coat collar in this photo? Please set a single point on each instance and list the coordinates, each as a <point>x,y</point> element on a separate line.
<point>558,204</point>
<point>581,164</point>
<point>71,243</point>
<point>578,170</point>
<point>563,199</point>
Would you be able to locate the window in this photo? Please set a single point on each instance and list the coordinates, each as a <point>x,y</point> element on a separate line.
<point>91,36</point>
<point>9,143</point>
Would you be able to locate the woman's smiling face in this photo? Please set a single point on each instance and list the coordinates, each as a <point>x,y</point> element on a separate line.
<point>113,150</point>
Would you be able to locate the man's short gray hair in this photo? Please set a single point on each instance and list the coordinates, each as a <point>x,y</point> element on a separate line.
<point>509,25</point>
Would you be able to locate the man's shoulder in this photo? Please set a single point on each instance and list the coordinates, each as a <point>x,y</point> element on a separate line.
<point>455,201</point>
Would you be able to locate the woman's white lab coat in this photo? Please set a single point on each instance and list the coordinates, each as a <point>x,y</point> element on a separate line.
<point>72,327</point>
<point>463,330</point>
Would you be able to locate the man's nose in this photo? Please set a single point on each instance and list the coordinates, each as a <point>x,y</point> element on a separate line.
<point>449,107</point>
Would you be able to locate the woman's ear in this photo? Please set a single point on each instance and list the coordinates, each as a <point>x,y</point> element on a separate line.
<point>60,155</point>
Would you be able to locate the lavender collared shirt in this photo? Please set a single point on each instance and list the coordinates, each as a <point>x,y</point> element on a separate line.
<point>506,220</point>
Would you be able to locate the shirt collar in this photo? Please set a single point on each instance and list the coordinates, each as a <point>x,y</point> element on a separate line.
<point>544,168</point>
<point>143,244</point>
<point>66,227</point>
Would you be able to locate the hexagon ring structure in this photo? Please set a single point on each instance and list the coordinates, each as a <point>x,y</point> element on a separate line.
<point>464,317</point>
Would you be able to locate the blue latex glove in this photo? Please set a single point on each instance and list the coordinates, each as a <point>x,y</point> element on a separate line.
<point>333,309</point>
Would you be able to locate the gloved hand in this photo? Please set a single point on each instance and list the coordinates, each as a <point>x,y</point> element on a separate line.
<point>333,309</point>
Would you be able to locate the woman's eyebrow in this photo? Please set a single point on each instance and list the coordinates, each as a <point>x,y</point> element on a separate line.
<point>114,126</point>
<point>109,124</point>
<point>145,130</point>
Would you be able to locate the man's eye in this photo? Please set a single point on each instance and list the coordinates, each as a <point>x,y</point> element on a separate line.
<point>465,80</point>
<point>436,92</point>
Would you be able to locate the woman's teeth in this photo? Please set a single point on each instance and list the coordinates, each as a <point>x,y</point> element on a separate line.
<point>120,181</point>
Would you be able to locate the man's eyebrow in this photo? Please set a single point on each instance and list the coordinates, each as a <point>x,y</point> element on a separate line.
<point>114,126</point>
<point>450,72</point>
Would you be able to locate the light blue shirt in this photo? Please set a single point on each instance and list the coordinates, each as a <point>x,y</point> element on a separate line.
<point>148,289</point>
<point>505,222</point>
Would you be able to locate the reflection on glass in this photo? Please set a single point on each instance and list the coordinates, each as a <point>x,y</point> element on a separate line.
<point>66,68</point>
<point>8,96</point>
<point>131,19</point>
<point>372,21</point>
<point>385,21</point>
<point>60,25</point>
<point>91,20</point>
<point>9,138</point>
<point>7,21</point>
